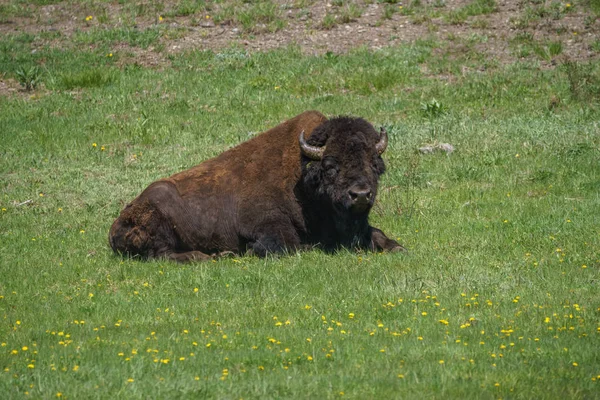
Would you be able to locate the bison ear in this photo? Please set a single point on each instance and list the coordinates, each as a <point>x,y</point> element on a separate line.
<point>312,152</point>
<point>383,141</point>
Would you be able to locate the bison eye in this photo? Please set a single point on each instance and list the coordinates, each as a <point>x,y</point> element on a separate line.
<point>378,166</point>
<point>329,163</point>
<point>330,167</point>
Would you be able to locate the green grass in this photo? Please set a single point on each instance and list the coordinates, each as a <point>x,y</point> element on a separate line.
<point>474,8</point>
<point>498,233</point>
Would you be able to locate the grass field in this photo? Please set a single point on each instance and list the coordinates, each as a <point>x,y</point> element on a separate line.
<point>498,296</point>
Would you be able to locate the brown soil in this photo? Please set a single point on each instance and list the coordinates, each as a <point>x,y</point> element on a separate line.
<point>577,29</point>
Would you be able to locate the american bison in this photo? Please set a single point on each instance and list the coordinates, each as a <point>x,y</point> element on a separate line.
<point>308,182</point>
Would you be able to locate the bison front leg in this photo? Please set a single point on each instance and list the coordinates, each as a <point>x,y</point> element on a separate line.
<point>273,237</point>
<point>380,242</point>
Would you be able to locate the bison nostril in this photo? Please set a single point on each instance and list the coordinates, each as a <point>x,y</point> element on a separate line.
<point>360,195</point>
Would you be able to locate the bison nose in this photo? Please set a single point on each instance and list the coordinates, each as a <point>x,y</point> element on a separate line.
<point>360,196</point>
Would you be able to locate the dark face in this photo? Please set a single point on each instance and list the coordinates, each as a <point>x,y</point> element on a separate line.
<point>348,173</point>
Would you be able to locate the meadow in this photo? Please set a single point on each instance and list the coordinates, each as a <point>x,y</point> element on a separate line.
<point>497,297</point>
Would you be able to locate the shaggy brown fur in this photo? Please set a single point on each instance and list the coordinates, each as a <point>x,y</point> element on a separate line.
<point>264,196</point>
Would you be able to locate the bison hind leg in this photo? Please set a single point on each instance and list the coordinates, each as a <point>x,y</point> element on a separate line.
<point>188,256</point>
<point>273,239</point>
<point>267,245</point>
<point>141,231</point>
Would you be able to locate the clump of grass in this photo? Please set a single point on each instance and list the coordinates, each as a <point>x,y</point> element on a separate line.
<point>532,14</point>
<point>476,7</point>
<point>480,23</point>
<point>413,7</point>
<point>10,10</point>
<point>432,108</point>
<point>253,17</point>
<point>260,16</point>
<point>584,82</point>
<point>419,19</point>
<point>85,79</point>
<point>388,11</point>
<point>344,15</point>
<point>555,48</point>
<point>350,13</point>
<point>29,78</point>
<point>548,51</point>
<point>329,21</point>
<point>185,8</point>
<point>524,44</point>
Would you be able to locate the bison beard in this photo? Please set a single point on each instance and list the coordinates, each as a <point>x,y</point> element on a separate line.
<point>305,183</point>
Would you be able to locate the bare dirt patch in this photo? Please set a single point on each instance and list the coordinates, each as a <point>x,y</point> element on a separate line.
<point>10,87</point>
<point>318,27</point>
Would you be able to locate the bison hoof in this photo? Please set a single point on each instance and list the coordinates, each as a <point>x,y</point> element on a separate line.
<point>397,249</point>
<point>189,256</point>
<point>226,253</point>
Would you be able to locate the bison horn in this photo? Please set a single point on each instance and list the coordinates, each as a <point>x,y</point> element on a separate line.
<point>383,142</point>
<point>312,152</point>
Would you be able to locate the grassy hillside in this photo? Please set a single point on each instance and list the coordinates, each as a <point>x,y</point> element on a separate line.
<point>497,297</point>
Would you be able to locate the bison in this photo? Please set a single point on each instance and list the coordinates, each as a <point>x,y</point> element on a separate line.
<point>308,182</point>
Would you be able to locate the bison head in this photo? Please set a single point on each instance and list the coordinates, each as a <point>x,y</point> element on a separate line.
<point>341,165</point>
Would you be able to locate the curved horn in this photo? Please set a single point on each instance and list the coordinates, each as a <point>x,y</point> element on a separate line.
<point>383,141</point>
<point>312,152</point>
